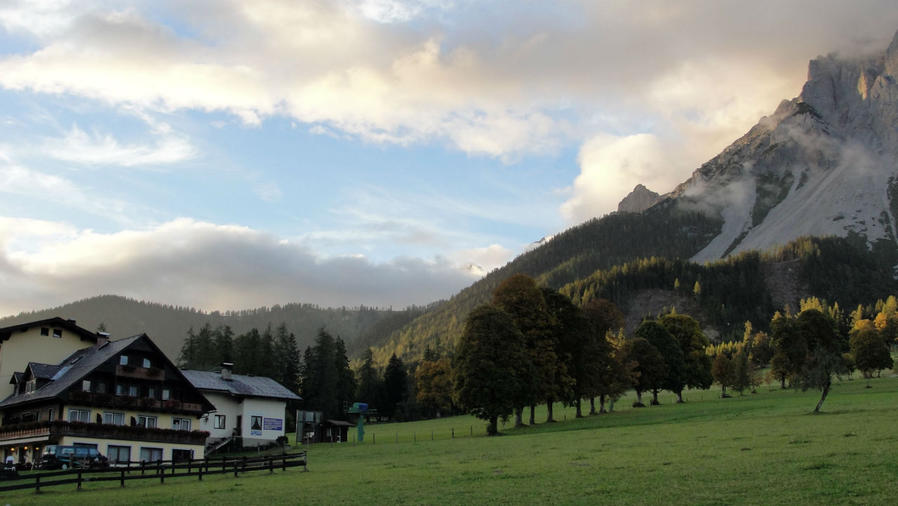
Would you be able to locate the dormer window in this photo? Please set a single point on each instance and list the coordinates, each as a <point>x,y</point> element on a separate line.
<point>146,363</point>
<point>31,386</point>
<point>123,360</point>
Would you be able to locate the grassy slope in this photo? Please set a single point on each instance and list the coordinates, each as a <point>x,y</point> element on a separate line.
<point>762,448</point>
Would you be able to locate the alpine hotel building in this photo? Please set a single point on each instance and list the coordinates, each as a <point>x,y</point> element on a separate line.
<point>122,397</point>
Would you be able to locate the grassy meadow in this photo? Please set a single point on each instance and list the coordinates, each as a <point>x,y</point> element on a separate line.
<point>763,448</point>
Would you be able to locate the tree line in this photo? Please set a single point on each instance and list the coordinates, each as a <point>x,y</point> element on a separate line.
<point>532,345</point>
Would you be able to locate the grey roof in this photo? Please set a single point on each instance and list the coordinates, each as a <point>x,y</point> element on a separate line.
<point>72,370</point>
<point>43,371</point>
<point>240,385</point>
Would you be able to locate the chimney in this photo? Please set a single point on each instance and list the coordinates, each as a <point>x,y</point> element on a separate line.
<point>226,368</point>
<point>102,338</point>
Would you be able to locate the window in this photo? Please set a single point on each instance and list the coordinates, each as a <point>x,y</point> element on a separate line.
<point>147,421</point>
<point>255,423</point>
<point>146,363</point>
<point>79,415</point>
<point>150,454</point>
<point>120,389</point>
<point>118,454</point>
<point>166,394</point>
<point>219,422</point>
<point>151,392</point>
<point>132,390</point>
<point>113,418</point>
<point>45,331</point>
<point>179,455</point>
<point>30,386</point>
<point>57,332</point>
<point>180,423</point>
<point>123,360</point>
<point>85,385</point>
<point>101,387</point>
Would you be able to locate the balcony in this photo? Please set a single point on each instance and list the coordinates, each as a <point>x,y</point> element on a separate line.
<point>147,373</point>
<point>53,431</point>
<point>134,403</point>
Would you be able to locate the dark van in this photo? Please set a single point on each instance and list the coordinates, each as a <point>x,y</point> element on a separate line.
<point>65,457</point>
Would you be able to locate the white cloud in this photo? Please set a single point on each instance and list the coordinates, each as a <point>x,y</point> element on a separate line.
<point>491,79</point>
<point>611,166</point>
<point>103,149</point>
<point>44,188</point>
<point>205,265</point>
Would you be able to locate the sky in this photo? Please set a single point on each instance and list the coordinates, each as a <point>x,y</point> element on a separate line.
<point>230,154</point>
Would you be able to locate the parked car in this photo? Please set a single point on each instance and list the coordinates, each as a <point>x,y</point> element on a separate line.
<point>65,457</point>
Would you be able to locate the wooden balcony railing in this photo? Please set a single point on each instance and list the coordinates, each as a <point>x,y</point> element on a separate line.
<point>149,373</point>
<point>57,429</point>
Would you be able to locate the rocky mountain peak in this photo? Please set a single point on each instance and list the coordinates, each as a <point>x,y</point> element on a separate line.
<point>824,163</point>
<point>638,200</point>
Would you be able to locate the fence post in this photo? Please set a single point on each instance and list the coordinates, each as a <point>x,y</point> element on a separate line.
<point>223,465</point>
<point>37,484</point>
<point>373,438</point>
<point>284,462</point>
<point>453,432</point>
<point>123,478</point>
<point>79,479</point>
<point>471,431</point>
<point>200,474</point>
<point>270,465</point>
<point>235,468</point>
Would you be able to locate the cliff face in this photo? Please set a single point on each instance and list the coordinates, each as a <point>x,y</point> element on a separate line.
<point>638,200</point>
<point>824,163</point>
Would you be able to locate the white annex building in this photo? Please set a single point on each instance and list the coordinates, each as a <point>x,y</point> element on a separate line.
<point>251,408</point>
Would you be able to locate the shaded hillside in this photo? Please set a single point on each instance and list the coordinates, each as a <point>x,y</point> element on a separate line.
<point>167,325</point>
<point>576,253</point>
<point>749,286</point>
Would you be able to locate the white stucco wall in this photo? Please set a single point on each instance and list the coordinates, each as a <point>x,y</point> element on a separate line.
<point>224,405</point>
<point>271,409</point>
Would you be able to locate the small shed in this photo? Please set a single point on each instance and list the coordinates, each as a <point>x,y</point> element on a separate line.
<point>335,431</point>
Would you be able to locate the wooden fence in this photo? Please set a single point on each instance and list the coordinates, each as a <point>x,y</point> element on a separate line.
<point>160,470</point>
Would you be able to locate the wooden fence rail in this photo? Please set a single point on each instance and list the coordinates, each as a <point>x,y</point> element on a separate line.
<point>160,470</point>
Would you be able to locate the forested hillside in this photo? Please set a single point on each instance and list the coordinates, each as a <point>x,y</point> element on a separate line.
<point>746,287</point>
<point>664,230</point>
<point>168,325</point>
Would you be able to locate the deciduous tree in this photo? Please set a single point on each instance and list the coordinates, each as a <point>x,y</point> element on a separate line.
<point>489,381</point>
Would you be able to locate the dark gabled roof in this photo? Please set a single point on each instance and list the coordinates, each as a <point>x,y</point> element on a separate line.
<point>80,363</point>
<point>86,335</point>
<point>240,385</point>
<point>16,378</point>
<point>71,370</point>
<point>43,371</point>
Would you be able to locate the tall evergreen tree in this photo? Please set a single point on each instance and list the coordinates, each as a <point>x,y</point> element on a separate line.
<point>395,385</point>
<point>286,357</point>
<point>369,381</point>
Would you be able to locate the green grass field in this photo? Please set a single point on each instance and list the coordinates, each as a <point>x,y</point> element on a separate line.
<point>760,449</point>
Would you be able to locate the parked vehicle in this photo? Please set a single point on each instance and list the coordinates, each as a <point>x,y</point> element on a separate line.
<point>65,457</point>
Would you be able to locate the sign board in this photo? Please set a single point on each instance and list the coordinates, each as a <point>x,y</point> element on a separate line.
<point>273,424</point>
